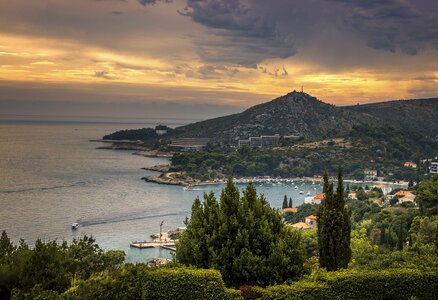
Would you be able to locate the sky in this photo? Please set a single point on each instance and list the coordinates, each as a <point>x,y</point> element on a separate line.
<point>204,58</point>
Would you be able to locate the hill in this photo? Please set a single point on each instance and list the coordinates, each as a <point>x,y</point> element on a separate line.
<point>380,148</point>
<point>293,114</point>
<point>419,115</point>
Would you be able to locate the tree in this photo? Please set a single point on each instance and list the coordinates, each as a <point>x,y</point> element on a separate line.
<point>6,246</point>
<point>290,202</point>
<point>242,237</point>
<point>427,197</point>
<point>334,228</point>
<point>284,202</point>
<point>400,241</point>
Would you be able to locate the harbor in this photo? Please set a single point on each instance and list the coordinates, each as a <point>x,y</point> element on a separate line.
<point>165,240</point>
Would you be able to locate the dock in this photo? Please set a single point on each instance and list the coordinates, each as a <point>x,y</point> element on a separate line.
<point>144,245</point>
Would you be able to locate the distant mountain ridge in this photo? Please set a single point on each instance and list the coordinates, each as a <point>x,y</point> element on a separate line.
<point>417,114</point>
<point>296,113</point>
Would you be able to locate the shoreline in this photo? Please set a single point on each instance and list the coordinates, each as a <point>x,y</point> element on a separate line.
<point>167,180</point>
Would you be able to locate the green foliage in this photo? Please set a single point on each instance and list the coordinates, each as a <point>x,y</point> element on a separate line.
<point>242,237</point>
<point>387,147</point>
<point>50,266</point>
<point>427,196</point>
<point>303,211</point>
<point>334,227</point>
<point>123,283</point>
<point>285,204</point>
<point>184,284</point>
<point>357,284</point>
<point>298,290</point>
<point>144,134</point>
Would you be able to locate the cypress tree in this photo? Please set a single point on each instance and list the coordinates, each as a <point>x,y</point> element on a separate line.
<point>284,202</point>
<point>436,241</point>
<point>290,202</point>
<point>400,237</point>
<point>334,227</point>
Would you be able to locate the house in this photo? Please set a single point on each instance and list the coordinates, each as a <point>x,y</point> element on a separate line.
<point>352,195</point>
<point>270,140</point>
<point>300,225</point>
<point>311,221</point>
<point>315,199</point>
<point>370,174</point>
<point>403,193</point>
<point>161,129</point>
<point>290,210</point>
<point>407,198</point>
<point>318,198</point>
<point>433,167</point>
<point>410,164</point>
<point>188,144</point>
<point>260,141</point>
<point>244,143</point>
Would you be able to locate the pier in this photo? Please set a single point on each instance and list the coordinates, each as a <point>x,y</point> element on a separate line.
<point>154,244</point>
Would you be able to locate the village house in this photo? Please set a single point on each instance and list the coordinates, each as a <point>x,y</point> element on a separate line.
<point>352,195</point>
<point>311,221</point>
<point>370,174</point>
<point>290,210</point>
<point>433,168</point>
<point>405,196</point>
<point>315,199</point>
<point>410,164</point>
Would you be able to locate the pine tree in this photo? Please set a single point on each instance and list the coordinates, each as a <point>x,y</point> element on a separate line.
<point>334,227</point>
<point>290,202</point>
<point>284,202</point>
<point>242,237</point>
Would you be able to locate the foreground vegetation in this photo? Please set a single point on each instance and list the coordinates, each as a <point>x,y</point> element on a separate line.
<point>394,255</point>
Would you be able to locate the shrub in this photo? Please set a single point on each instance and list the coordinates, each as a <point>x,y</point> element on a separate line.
<point>185,283</point>
<point>298,290</point>
<point>354,284</point>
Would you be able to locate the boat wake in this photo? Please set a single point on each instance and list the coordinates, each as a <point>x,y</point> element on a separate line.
<point>44,188</point>
<point>91,222</point>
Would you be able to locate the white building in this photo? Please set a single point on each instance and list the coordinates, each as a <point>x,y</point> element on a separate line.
<point>434,167</point>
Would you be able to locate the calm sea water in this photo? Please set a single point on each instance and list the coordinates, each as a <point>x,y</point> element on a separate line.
<point>51,175</point>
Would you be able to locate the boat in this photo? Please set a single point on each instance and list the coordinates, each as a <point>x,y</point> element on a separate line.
<point>296,187</point>
<point>301,192</point>
<point>188,188</point>
<point>74,226</point>
<point>308,193</point>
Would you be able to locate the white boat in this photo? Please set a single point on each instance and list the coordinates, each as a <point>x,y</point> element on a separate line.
<point>74,226</point>
<point>188,188</point>
<point>296,187</point>
<point>308,193</point>
<point>301,192</point>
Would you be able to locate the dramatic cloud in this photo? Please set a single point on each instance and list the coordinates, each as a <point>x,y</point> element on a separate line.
<point>390,25</point>
<point>225,52</point>
<point>244,35</point>
<point>152,2</point>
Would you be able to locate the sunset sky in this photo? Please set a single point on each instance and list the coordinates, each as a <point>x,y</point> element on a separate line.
<point>204,58</point>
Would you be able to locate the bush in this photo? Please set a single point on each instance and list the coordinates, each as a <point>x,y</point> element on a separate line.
<point>185,283</point>
<point>298,290</point>
<point>347,284</point>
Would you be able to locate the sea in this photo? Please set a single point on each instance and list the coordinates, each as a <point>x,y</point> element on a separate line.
<point>52,175</point>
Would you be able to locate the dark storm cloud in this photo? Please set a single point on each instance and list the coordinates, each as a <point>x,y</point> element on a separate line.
<point>152,2</point>
<point>392,25</point>
<point>244,34</point>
